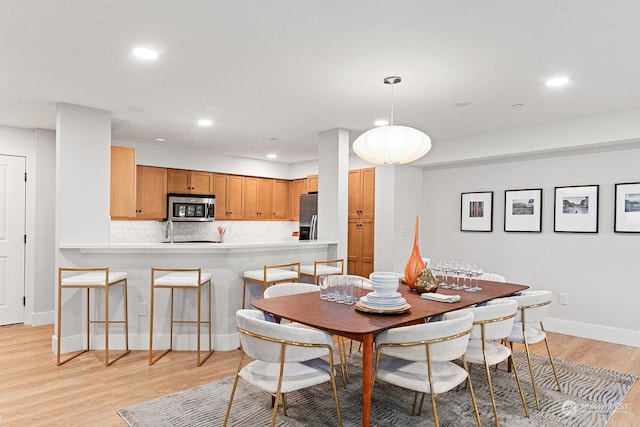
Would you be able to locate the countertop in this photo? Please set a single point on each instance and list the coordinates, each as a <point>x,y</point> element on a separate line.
<point>187,247</point>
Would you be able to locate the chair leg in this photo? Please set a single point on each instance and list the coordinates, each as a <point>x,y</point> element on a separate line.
<point>473,396</point>
<point>244,291</point>
<point>487,372</point>
<point>233,392</point>
<point>533,381</point>
<point>553,365</point>
<point>515,374</point>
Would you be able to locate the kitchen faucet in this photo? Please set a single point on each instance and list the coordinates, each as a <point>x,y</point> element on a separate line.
<point>168,231</point>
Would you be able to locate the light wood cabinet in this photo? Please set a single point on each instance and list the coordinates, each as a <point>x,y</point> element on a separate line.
<point>296,189</point>
<point>151,199</point>
<point>257,194</point>
<point>280,201</point>
<point>228,192</point>
<point>362,193</point>
<point>123,182</point>
<point>360,240</point>
<point>312,184</point>
<point>360,243</point>
<point>189,182</point>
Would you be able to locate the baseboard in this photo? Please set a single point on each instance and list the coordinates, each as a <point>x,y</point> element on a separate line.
<point>595,332</point>
<point>44,318</point>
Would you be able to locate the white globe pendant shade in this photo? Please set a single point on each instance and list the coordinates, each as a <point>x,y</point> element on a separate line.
<point>392,145</point>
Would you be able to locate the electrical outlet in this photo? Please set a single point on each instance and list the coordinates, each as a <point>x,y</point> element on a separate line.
<point>563,298</point>
<point>142,309</point>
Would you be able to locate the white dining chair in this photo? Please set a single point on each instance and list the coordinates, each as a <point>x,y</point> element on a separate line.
<point>493,277</point>
<point>528,329</point>
<point>420,358</point>
<point>285,289</point>
<point>285,359</point>
<point>493,322</point>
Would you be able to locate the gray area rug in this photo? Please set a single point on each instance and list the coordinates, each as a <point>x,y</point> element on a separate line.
<point>589,397</point>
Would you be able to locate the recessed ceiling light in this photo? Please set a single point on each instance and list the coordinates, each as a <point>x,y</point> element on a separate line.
<point>381,122</point>
<point>557,81</point>
<point>274,138</point>
<point>160,139</point>
<point>145,53</point>
<point>204,122</point>
<point>271,156</point>
<point>517,105</point>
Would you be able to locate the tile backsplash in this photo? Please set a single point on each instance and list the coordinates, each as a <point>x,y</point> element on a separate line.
<point>236,231</point>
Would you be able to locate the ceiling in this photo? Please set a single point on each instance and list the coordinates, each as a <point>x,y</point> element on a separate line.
<point>272,74</point>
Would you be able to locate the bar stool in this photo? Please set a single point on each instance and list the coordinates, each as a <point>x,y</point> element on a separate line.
<point>321,268</point>
<point>93,278</point>
<point>181,278</point>
<point>271,274</point>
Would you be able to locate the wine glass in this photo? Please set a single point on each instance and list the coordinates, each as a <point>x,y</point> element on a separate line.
<point>445,266</point>
<point>477,272</point>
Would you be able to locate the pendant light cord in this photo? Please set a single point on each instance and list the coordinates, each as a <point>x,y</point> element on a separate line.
<point>392,85</point>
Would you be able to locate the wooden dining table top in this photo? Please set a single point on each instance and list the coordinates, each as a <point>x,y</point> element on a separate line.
<point>345,320</point>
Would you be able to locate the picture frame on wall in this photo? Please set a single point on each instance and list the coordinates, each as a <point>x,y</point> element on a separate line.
<point>576,209</point>
<point>626,218</point>
<point>523,210</point>
<point>476,211</point>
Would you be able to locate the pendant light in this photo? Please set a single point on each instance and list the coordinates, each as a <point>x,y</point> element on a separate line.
<point>392,145</point>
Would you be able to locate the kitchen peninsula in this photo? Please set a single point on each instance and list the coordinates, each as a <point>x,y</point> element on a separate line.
<point>225,261</point>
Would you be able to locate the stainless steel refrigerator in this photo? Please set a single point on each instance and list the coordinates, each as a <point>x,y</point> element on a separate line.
<point>309,217</point>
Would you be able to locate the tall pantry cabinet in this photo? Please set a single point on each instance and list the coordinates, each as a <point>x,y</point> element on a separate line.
<point>361,221</point>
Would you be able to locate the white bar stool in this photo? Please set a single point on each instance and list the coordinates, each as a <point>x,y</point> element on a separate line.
<point>271,274</point>
<point>181,278</point>
<point>93,278</point>
<point>327,267</point>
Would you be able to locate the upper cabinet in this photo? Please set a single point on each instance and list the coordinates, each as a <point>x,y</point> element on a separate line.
<point>280,202</point>
<point>151,200</point>
<point>189,182</point>
<point>362,193</point>
<point>256,197</point>
<point>297,187</point>
<point>312,184</point>
<point>123,182</point>
<point>228,192</point>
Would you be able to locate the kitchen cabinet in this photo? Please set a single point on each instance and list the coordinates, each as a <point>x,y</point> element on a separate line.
<point>362,193</point>
<point>312,184</point>
<point>228,192</point>
<point>189,182</point>
<point>280,201</point>
<point>123,183</point>
<point>296,189</point>
<point>257,194</point>
<point>151,192</point>
<point>360,241</point>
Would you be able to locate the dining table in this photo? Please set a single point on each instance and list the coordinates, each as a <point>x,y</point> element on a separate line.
<point>348,321</point>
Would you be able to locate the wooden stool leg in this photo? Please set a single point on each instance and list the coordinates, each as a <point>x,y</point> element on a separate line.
<point>244,292</point>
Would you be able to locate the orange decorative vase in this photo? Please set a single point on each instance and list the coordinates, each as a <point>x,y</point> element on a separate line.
<point>415,264</point>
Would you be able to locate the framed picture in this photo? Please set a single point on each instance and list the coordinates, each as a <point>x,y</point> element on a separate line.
<point>627,208</point>
<point>576,209</point>
<point>476,212</point>
<point>523,210</point>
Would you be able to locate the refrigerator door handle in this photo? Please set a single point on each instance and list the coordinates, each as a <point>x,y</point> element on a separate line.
<point>313,235</point>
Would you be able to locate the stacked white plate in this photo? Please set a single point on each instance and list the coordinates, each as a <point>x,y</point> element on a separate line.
<point>383,302</point>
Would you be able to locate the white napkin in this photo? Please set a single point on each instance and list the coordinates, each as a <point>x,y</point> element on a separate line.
<point>440,297</point>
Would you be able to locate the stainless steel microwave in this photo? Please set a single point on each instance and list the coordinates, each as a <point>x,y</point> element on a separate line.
<point>191,207</point>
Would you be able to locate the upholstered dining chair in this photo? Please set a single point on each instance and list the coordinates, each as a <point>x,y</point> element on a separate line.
<point>494,277</point>
<point>285,359</point>
<point>528,328</point>
<point>284,289</point>
<point>493,322</point>
<point>420,358</point>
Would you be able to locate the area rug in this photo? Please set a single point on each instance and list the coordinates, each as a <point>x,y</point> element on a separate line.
<point>589,397</point>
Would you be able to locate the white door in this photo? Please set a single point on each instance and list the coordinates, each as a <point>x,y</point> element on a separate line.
<point>12,232</point>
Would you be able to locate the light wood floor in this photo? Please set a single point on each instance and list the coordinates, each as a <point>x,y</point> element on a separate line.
<point>36,392</point>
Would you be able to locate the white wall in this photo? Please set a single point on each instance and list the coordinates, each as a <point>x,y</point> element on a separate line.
<point>595,270</point>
